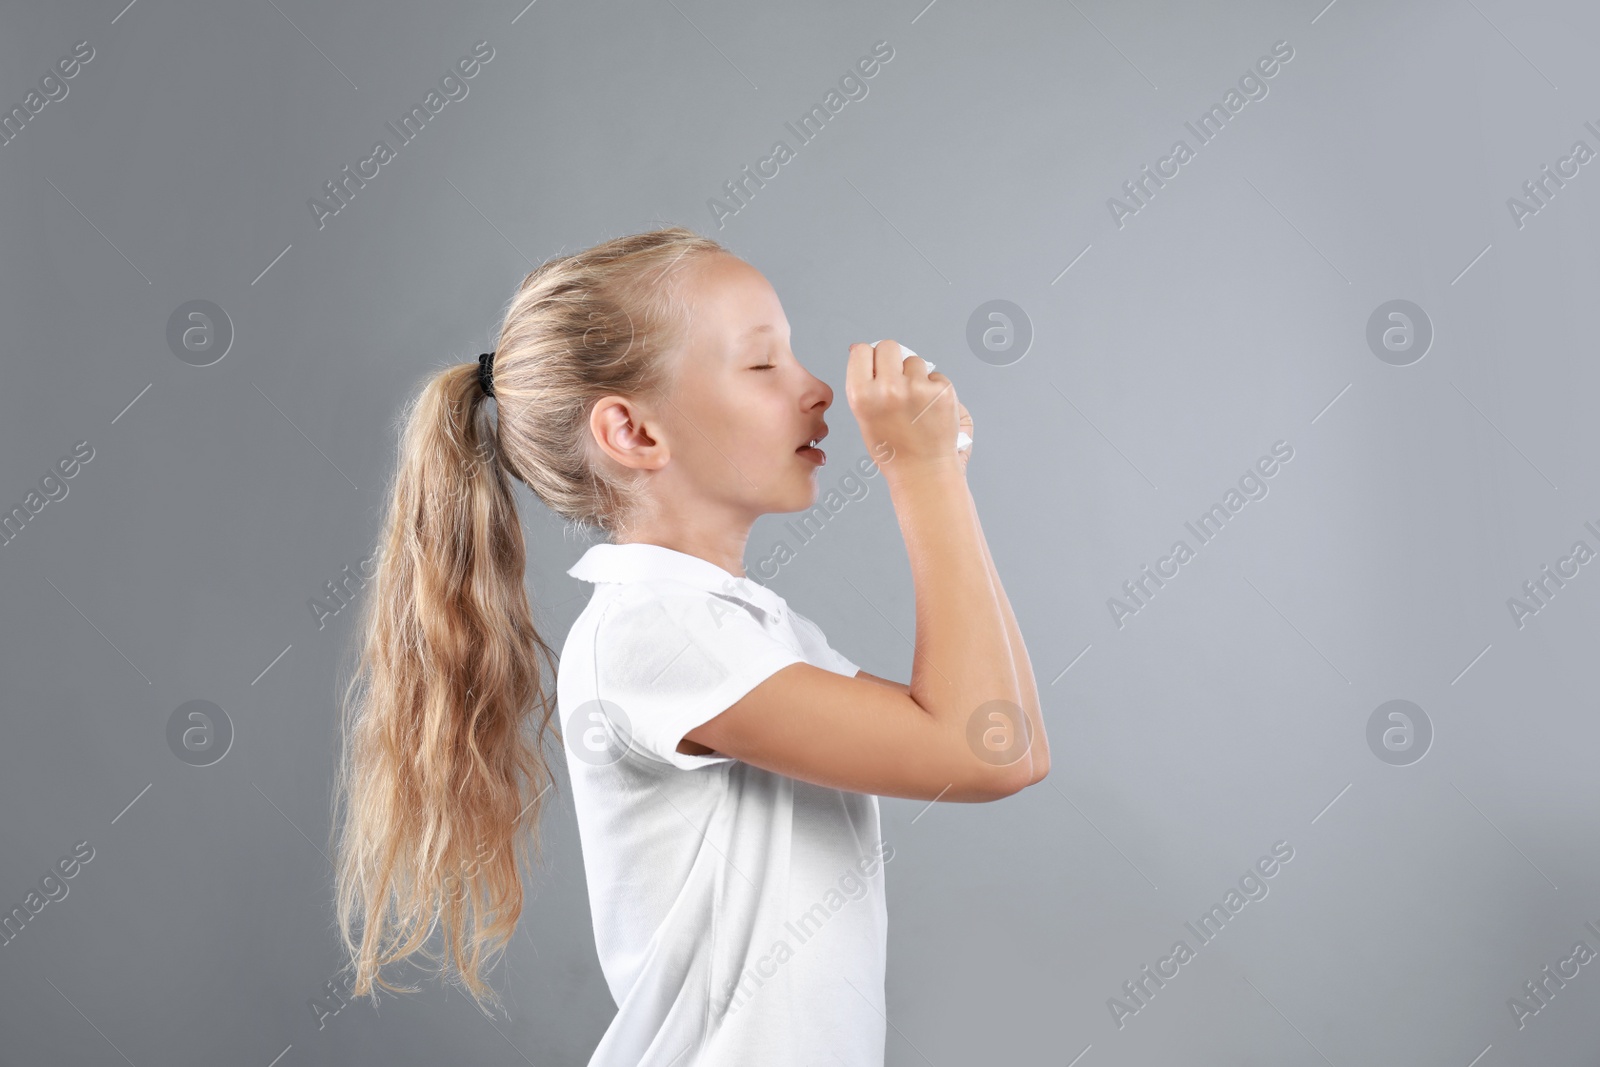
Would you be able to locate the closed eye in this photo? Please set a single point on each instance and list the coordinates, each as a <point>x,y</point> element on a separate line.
<point>769,366</point>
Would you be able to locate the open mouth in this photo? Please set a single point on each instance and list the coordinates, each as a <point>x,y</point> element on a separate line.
<point>810,451</point>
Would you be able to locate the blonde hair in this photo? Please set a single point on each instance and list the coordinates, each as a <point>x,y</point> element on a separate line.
<point>445,719</point>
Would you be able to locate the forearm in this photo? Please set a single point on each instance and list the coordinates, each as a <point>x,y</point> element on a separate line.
<point>1023,666</point>
<point>962,659</point>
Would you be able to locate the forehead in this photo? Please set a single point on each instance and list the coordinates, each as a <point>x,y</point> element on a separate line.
<point>732,303</point>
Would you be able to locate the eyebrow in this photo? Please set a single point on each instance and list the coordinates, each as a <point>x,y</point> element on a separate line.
<point>742,340</point>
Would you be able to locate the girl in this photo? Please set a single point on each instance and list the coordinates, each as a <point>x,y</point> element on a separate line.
<point>725,761</point>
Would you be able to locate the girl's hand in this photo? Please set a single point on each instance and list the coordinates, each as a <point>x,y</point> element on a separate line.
<point>908,416</point>
<point>966,428</point>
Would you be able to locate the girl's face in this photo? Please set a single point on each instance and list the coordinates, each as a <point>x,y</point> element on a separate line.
<point>724,444</point>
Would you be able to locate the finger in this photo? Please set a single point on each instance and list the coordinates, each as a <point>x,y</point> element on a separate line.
<point>858,371</point>
<point>889,355</point>
<point>904,351</point>
<point>908,353</point>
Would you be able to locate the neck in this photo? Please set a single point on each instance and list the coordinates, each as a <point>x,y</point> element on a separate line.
<point>724,550</point>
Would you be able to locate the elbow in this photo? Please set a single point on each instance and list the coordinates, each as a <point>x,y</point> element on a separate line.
<point>1037,760</point>
<point>1040,770</point>
<point>1009,780</point>
<point>1021,775</point>
<point>982,780</point>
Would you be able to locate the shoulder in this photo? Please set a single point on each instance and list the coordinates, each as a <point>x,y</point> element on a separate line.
<point>671,655</point>
<point>662,604</point>
<point>643,605</point>
<point>654,624</point>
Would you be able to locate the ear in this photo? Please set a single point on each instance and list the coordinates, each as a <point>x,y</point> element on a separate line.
<point>627,433</point>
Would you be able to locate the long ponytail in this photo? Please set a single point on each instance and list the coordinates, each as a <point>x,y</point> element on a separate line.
<point>440,773</point>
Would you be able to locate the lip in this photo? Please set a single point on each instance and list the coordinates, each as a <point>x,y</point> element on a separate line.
<point>812,455</point>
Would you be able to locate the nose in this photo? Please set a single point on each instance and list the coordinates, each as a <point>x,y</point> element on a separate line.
<point>819,397</point>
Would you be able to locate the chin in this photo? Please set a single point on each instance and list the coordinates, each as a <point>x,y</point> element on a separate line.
<point>801,498</point>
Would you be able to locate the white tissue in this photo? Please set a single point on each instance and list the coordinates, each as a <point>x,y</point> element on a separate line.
<point>963,440</point>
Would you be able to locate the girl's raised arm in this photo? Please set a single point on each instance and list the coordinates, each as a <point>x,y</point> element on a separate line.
<point>960,732</point>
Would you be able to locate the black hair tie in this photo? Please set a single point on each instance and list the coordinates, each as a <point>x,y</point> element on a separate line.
<point>486,373</point>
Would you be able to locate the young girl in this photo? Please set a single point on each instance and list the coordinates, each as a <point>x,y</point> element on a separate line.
<point>725,761</point>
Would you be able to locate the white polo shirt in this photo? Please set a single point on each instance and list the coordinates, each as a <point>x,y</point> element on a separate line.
<point>738,914</point>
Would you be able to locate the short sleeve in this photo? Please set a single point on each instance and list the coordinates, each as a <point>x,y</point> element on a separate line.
<point>668,658</point>
<point>816,645</point>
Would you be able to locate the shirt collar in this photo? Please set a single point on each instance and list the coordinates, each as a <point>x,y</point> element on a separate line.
<point>639,561</point>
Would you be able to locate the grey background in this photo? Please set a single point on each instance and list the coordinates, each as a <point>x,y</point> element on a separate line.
<point>1229,313</point>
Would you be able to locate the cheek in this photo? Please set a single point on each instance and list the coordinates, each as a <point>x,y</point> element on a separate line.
<point>757,426</point>
<point>748,423</point>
